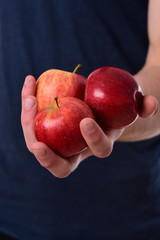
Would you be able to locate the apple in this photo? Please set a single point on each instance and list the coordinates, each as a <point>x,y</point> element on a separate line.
<point>58,125</point>
<point>55,82</point>
<point>114,97</point>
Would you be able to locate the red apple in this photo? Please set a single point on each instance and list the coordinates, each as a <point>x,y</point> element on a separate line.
<point>59,83</point>
<point>58,125</point>
<point>114,97</point>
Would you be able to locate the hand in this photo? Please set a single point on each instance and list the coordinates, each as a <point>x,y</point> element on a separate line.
<point>99,143</point>
<point>147,125</point>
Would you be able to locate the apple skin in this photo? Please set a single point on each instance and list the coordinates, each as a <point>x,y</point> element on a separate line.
<point>114,97</point>
<point>58,125</point>
<point>55,82</point>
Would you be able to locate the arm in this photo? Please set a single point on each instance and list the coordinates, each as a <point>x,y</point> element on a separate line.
<point>149,79</point>
<point>98,143</point>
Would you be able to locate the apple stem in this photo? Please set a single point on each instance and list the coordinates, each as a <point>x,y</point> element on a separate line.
<point>78,67</point>
<point>56,99</point>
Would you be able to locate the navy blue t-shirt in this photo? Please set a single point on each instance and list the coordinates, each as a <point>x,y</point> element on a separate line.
<point>113,198</point>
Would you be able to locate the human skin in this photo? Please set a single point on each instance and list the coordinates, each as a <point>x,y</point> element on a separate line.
<point>99,143</point>
<point>149,79</point>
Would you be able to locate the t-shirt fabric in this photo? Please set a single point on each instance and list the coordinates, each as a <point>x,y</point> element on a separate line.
<point>113,198</point>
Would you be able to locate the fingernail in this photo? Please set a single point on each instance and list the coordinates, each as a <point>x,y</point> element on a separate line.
<point>27,81</point>
<point>28,103</point>
<point>39,153</point>
<point>88,127</point>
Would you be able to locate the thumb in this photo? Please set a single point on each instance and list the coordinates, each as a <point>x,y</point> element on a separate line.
<point>149,106</point>
<point>99,144</point>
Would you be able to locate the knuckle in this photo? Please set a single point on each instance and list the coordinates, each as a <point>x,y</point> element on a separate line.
<point>25,121</point>
<point>62,174</point>
<point>103,154</point>
<point>46,163</point>
<point>29,147</point>
<point>104,151</point>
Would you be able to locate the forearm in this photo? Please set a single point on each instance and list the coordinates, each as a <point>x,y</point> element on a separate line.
<point>149,79</point>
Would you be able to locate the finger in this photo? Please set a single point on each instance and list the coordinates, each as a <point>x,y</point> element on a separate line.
<point>149,106</point>
<point>29,110</point>
<point>99,144</point>
<point>29,86</point>
<point>58,166</point>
